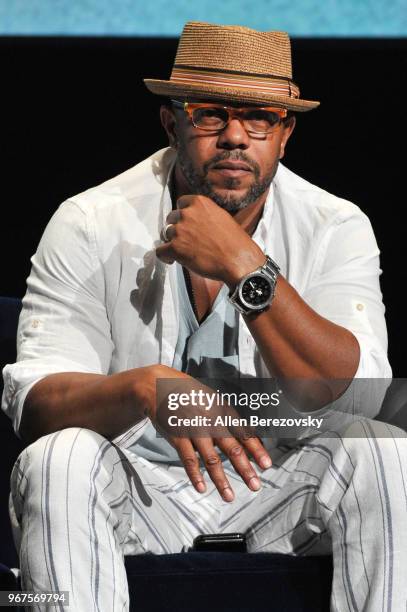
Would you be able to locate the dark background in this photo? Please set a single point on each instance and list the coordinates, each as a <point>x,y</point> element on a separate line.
<point>74,112</point>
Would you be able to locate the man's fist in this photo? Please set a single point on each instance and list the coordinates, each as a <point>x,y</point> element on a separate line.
<point>207,240</point>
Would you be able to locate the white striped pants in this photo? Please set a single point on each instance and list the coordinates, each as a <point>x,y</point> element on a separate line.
<point>78,504</point>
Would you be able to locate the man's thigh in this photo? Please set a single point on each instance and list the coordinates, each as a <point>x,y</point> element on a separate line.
<point>176,513</point>
<point>170,513</point>
<point>283,516</point>
<point>346,470</point>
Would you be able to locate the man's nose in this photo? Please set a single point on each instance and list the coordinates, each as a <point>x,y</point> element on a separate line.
<point>234,136</point>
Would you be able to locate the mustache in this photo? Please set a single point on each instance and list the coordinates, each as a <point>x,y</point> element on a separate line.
<point>232,156</point>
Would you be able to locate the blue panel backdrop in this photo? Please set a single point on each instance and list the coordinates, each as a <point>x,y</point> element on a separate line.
<point>163,18</point>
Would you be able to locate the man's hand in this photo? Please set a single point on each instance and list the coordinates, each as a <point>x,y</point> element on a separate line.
<point>235,447</point>
<point>207,240</point>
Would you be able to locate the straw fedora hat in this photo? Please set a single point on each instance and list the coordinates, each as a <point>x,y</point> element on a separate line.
<point>233,63</point>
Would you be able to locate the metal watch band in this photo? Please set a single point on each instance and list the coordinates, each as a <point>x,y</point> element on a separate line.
<point>271,268</point>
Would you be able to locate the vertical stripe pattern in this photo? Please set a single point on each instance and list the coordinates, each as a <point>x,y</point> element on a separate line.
<point>86,503</point>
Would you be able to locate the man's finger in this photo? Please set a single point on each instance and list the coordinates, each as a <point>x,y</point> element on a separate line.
<point>168,232</point>
<point>240,461</point>
<point>213,464</point>
<point>190,461</point>
<point>184,201</point>
<point>165,253</point>
<point>257,451</point>
<point>248,438</point>
<point>174,216</point>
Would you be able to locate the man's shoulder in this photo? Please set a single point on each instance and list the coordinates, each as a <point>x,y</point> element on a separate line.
<point>139,184</point>
<point>305,200</point>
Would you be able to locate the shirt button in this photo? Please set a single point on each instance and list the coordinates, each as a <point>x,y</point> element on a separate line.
<point>35,323</point>
<point>360,306</point>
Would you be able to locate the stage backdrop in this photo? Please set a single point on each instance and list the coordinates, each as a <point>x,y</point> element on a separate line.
<point>162,18</point>
<point>74,112</point>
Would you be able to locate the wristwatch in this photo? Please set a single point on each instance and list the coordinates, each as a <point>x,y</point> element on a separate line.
<point>255,292</point>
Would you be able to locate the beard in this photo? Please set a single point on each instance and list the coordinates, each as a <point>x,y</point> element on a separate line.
<point>200,184</point>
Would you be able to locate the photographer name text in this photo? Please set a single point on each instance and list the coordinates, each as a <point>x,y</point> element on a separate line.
<point>252,421</point>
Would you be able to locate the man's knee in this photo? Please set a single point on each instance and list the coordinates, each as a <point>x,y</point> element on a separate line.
<point>378,449</point>
<point>75,449</point>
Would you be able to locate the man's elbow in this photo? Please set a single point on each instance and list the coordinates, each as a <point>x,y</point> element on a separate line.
<point>38,418</point>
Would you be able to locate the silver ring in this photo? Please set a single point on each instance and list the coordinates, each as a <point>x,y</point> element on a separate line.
<point>164,232</point>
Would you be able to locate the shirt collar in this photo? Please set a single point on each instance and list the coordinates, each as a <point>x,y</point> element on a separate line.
<point>263,226</point>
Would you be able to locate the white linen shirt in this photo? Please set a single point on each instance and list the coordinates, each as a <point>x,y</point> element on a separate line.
<point>98,300</point>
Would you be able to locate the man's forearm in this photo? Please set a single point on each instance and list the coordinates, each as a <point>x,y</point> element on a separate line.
<point>296,342</point>
<point>106,404</point>
<point>298,345</point>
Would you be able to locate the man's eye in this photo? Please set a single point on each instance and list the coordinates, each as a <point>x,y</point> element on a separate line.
<point>262,117</point>
<point>209,115</point>
<point>211,112</point>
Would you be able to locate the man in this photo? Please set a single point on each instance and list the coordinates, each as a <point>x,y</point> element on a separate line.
<point>208,258</point>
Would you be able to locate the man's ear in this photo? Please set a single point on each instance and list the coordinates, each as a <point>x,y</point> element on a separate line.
<point>168,121</point>
<point>288,128</point>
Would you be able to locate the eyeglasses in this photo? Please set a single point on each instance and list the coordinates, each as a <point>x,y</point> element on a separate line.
<point>215,117</point>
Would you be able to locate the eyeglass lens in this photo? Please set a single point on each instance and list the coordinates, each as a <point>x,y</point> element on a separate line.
<point>216,118</point>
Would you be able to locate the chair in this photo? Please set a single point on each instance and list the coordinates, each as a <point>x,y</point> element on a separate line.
<point>238,582</point>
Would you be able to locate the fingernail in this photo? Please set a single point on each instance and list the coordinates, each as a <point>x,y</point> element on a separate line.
<point>254,483</point>
<point>200,487</point>
<point>227,494</point>
<point>265,462</point>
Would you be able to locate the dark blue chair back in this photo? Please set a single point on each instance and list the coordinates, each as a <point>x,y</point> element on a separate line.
<point>10,445</point>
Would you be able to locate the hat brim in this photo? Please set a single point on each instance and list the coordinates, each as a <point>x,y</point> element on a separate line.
<point>172,90</point>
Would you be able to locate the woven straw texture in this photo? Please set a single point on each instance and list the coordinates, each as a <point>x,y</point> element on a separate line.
<point>239,54</point>
<point>235,48</point>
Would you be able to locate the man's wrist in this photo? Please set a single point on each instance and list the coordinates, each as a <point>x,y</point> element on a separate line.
<point>143,390</point>
<point>241,266</point>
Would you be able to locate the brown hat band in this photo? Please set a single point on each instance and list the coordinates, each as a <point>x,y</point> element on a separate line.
<point>254,82</point>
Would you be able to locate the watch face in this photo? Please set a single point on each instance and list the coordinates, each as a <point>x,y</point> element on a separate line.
<point>256,291</point>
